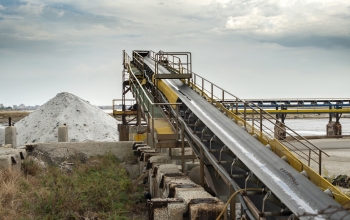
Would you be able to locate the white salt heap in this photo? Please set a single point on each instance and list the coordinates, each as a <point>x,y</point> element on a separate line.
<point>84,121</point>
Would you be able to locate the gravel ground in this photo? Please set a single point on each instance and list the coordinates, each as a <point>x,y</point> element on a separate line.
<point>338,162</point>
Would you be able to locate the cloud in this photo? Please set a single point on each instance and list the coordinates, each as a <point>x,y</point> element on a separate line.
<point>30,9</point>
<point>312,40</point>
<point>60,14</point>
<point>2,7</point>
<point>272,19</point>
<point>49,42</point>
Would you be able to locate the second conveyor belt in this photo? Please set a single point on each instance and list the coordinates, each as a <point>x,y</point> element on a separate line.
<point>298,193</point>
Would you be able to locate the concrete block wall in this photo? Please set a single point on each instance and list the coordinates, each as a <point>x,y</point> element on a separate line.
<point>11,159</point>
<point>174,195</point>
<point>170,209</point>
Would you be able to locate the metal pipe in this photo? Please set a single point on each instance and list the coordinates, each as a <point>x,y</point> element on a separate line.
<point>232,204</point>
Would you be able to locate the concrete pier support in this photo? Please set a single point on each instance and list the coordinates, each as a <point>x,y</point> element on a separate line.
<point>63,133</point>
<point>11,136</point>
<point>123,132</point>
<point>176,152</point>
<point>333,128</point>
<point>280,132</point>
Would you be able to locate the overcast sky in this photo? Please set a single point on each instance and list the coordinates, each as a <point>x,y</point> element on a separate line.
<point>252,48</point>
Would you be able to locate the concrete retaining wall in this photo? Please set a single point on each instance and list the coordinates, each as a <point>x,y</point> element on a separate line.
<point>55,153</point>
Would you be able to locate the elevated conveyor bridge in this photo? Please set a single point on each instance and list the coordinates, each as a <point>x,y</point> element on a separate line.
<point>333,103</point>
<point>234,154</point>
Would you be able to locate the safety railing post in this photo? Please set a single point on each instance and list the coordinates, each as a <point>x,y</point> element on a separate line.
<point>253,120</point>
<point>223,96</point>
<point>188,80</point>
<point>245,113</point>
<point>236,106</point>
<point>152,115</point>
<point>319,162</point>
<point>183,148</point>
<point>261,121</point>
<point>212,88</point>
<point>194,81</point>
<point>202,86</point>
<point>177,121</point>
<point>309,159</point>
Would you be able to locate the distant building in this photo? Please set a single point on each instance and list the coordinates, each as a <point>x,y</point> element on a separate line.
<point>24,107</point>
<point>1,105</point>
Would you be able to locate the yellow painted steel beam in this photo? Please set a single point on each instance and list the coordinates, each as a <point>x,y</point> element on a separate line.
<point>162,126</point>
<point>297,111</point>
<point>167,91</point>
<point>117,112</point>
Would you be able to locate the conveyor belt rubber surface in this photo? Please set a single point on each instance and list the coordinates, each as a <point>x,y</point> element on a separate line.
<point>298,193</point>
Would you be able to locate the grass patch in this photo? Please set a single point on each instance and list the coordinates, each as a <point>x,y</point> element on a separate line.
<point>96,189</point>
<point>327,175</point>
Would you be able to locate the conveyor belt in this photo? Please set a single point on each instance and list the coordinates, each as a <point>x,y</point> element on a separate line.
<point>298,193</point>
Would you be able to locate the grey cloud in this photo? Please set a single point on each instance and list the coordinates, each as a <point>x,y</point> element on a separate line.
<point>326,42</point>
<point>50,32</point>
<point>314,24</point>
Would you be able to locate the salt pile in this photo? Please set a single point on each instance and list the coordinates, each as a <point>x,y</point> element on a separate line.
<point>84,121</point>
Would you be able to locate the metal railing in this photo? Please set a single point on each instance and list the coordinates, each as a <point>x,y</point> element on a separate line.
<point>138,61</point>
<point>173,61</point>
<point>301,106</point>
<point>259,118</point>
<point>117,103</point>
<point>143,98</point>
